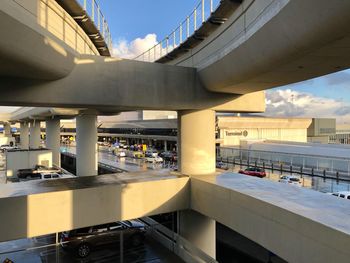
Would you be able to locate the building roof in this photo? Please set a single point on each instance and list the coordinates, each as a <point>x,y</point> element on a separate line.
<point>227,122</point>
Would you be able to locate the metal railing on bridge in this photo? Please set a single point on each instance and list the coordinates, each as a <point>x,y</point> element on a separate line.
<point>181,33</point>
<point>92,8</point>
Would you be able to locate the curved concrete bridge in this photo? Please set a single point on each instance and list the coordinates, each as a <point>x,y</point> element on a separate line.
<point>49,59</point>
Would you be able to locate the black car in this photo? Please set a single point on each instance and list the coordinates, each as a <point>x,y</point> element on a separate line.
<point>169,156</point>
<point>81,241</point>
<point>36,171</point>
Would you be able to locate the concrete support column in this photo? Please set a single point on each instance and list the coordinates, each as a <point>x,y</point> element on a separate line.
<point>53,140</point>
<point>34,139</point>
<point>86,145</point>
<point>196,142</point>
<point>7,129</point>
<point>24,135</point>
<point>196,148</point>
<point>165,145</point>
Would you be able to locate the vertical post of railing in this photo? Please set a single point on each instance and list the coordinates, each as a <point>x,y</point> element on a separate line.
<point>93,10</point>
<point>103,27</point>
<point>180,33</point>
<point>174,39</point>
<point>98,18</point>
<point>203,17</point>
<point>187,27</point>
<point>195,19</point>
<point>211,6</point>
<point>85,5</point>
<point>167,44</point>
<point>154,53</point>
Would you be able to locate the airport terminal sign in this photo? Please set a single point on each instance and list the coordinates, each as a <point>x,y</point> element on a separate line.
<point>237,133</point>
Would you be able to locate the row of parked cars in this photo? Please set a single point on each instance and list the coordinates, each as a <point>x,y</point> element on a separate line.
<point>151,155</point>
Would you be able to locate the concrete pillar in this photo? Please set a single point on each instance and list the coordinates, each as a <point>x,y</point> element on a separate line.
<point>86,145</point>
<point>34,139</point>
<point>165,145</point>
<point>53,140</point>
<point>7,129</point>
<point>24,135</point>
<point>200,230</point>
<point>196,148</point>
<point>196,142</point>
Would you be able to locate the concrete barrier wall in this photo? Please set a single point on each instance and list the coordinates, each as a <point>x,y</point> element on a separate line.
<point>39,214</point>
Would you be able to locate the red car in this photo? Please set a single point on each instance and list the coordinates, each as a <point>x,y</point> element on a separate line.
<point>252,171</point>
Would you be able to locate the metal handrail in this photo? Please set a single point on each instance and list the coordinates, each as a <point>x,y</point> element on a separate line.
<point>92,8</point>
<point>180,34</point>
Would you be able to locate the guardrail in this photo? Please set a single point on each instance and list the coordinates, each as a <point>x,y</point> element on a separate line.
<point>92,8</point>
<point>313,165</point>
<point>180,34</point>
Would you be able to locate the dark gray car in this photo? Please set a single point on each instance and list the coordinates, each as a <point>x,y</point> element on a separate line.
<point>83,240</point>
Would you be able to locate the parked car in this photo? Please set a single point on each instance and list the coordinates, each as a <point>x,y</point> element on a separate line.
<point>135,154</point>
<point>342,194</point>
<point>151,153</point>
<point>47,176</point>
<point>254,171</point>
<point>290,179</point>
<point>119,152</point>
<point>222,165</point>
<point>36,171</point>
<point>152,159</point>
<point>83,240</point>
<point>169,156</point>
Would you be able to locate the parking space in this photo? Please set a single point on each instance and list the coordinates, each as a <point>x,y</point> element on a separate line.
<point>315,183</point>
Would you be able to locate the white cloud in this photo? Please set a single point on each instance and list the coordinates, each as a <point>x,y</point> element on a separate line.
<point>130,50</point>
<point>290,103</point>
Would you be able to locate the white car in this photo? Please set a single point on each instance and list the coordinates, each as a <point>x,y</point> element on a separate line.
<point>342,194</point>
<point>290,179</point>
<point>47,176</point>
<point>119,153</point>
<point>156,159</point>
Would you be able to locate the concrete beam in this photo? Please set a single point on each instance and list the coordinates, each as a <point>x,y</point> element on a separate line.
<point>119,85</point>
<point>37,208</point>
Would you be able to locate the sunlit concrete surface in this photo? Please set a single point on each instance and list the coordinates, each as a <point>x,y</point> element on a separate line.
<point>297,224</point>
<point>47,206</point>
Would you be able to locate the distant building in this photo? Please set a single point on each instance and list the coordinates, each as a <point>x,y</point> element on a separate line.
<point>232,130</point>
<point>342,135</point>
<point>321,129</point>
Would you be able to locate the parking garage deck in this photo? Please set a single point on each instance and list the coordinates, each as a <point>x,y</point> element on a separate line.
<point>292,222</point>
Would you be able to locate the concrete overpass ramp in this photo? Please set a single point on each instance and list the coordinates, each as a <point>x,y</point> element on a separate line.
<point>269,43</point>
